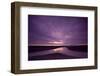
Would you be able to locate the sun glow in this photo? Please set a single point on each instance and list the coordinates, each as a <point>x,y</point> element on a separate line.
<point>56,42</point>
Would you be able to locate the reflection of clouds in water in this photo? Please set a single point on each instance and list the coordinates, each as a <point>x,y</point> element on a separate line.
<point>61,50</point>
<point>58,50</point>
<point>66,51</point>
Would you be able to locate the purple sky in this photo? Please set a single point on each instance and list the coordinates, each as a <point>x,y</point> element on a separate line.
<point>69,30</point>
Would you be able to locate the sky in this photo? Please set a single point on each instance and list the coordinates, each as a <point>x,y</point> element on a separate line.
<point>67,30</point>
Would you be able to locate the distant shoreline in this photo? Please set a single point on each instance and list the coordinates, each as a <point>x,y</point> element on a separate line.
<point>57,45</point>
